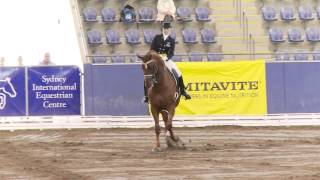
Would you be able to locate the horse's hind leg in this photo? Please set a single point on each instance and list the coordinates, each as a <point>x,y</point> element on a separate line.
<point>165,116</point>
<point>172,139</point>
<point>155,115</point>
<point>168,129</point>
<point>169,123</point>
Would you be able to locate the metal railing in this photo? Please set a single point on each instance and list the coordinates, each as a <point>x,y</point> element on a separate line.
<point>252,55</point>
<point>244,25</point>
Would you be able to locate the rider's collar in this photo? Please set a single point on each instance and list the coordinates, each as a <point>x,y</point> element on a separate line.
<point>165,36</point>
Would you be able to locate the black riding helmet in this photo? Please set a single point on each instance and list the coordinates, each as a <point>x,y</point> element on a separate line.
<point>166,25</point>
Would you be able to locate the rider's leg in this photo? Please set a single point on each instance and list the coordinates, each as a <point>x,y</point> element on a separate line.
<point>173,66</point>
<point>183,88</point>
<point>145,98</point>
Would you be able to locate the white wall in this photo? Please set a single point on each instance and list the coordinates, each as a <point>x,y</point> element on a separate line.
<point>29,28</point>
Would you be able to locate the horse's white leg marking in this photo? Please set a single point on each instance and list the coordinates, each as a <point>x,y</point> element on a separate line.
<point>167,133</point>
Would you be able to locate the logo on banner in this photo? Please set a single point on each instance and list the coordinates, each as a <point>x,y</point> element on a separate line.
<point>6,89</point>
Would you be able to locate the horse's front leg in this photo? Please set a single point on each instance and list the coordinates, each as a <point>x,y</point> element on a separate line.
<point>155,115</point>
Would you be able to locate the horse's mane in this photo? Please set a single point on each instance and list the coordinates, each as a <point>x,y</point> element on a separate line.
<point>153,55</point>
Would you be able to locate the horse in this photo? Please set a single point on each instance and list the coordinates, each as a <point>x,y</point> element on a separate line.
<point>162,94</point>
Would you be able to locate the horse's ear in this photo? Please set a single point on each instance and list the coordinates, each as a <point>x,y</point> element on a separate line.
<point>140,57</point>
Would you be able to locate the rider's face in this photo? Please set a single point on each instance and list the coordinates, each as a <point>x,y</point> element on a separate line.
<point>166,31</point>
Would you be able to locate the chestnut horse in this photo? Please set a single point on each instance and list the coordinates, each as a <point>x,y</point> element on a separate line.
<point>163,97</point>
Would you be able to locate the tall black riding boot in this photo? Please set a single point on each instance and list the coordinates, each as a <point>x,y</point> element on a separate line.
<point>183,89</point>
<point>145,98</point>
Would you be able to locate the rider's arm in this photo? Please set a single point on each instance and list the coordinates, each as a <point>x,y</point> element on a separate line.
<point>154,44</point>
<point>171,50</point>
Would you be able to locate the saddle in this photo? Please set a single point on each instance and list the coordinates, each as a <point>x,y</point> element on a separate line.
<point>174,74</point>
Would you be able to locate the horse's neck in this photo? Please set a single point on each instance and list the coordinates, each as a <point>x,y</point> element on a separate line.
<point>165,77</point>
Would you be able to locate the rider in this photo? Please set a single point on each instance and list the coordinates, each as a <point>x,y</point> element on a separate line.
<point>164,45</point>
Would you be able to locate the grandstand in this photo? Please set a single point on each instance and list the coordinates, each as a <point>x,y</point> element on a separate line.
<point>236,29</point>
<point>102,37</point>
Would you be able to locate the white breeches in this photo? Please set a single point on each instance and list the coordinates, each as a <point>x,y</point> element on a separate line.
<point>172,67</point>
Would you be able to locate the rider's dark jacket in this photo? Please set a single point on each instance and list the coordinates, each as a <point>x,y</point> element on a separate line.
<point>163,46</point>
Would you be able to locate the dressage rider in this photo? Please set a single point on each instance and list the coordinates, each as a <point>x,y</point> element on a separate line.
<point>164,45</point>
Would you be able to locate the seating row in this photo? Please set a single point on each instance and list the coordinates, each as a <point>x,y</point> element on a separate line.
<point>288,13</point>
<point>146,14</point>
<point>193,57</point>
<point>295,34</point>
<point>300,55</point>
<point>133,36</point>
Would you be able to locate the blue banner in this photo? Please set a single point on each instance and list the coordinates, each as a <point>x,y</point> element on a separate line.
<point>114,90</point>
<point>12,91</point>
<point>54,90</point>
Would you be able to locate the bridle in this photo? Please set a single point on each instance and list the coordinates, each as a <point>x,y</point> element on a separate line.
<point>154,73</point>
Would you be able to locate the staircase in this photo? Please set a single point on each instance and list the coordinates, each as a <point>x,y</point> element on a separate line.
<point>240,28</point>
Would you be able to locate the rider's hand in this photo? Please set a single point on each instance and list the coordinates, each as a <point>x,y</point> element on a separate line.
<point>164,57</point>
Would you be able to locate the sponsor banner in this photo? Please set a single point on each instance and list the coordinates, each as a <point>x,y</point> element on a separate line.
<point>12,91</point>
<point>224,88</point>
<point>54,90</point>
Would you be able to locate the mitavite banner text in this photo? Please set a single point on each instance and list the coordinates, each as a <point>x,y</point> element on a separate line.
<point>224,88</point>
<point>54,90</point>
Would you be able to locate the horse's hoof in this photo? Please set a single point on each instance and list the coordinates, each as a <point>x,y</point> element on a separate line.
<point>170,142</point>
<point>176,138</point>
<point>156,149</point>
<point>175,142</point>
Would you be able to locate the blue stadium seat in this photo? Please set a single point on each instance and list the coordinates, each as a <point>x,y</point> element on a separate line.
<point>269,13</point>
<point>117,58</point>
<point>189,35</point>
<point>295,35</point>
<point>202,14</point>
<point>174,35</point>
<point>305,13</point>
<point>276,35</point>
<point>313,34</point>
<point>214,56</point>
<point>133,36</point>
<point>112,37</point>
<point>300,56</point>
<point>149,34</point>
<point>318,12</point>
<point>89,14</point>
<point>99,58</point>
<point>316,55</point>
<point>146,15</point>
<point>287,13</point>
<point>282,56</point>
<point>94,37</point>
<point>207,36</point>
<point>108,15</point>
<point>195,56</point>
<point>184,14</point>
<point>177,58</point>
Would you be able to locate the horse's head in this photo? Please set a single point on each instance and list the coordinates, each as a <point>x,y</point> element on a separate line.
<point>151,59</point>
<point>152,65</point>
